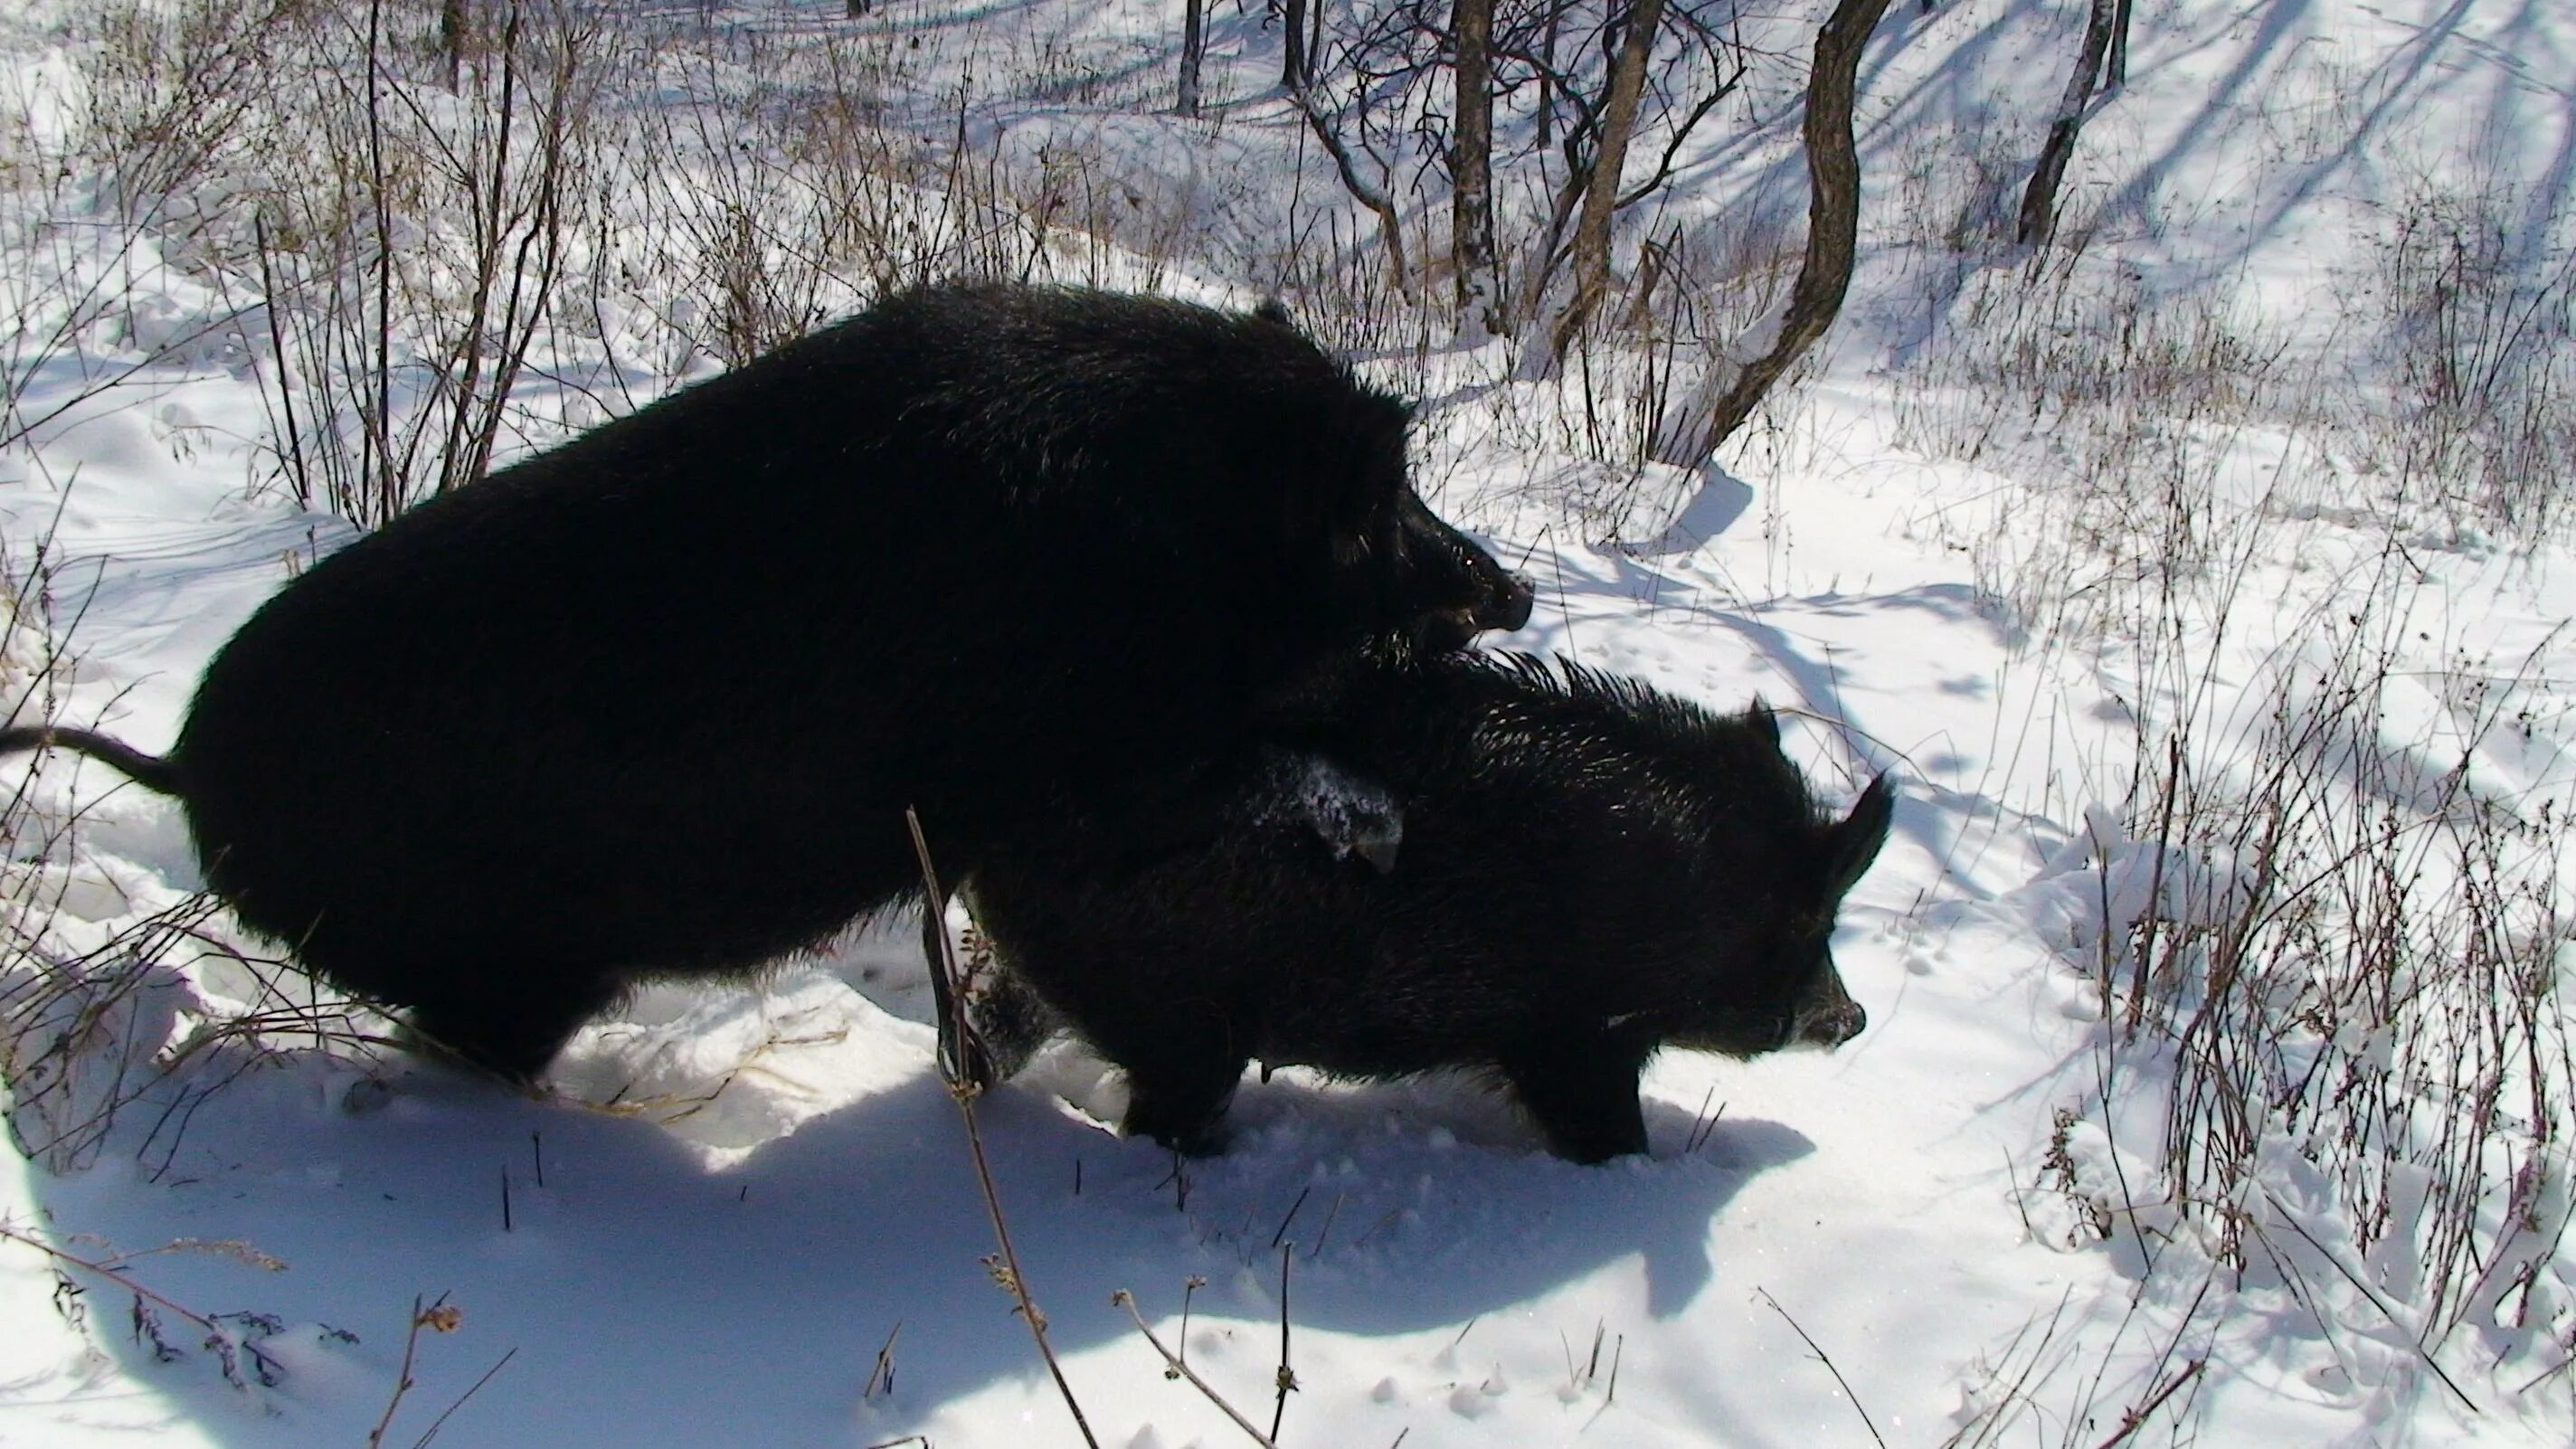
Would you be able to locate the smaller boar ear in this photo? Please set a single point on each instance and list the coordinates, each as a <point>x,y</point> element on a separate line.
<point>1761,714</point>
<point>1857,839</point>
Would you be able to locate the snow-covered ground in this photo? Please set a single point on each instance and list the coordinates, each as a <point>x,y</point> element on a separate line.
<point>2052,561</point>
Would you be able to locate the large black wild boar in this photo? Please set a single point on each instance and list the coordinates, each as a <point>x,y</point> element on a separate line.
<point>654,702</point>
<point>1590,870</point>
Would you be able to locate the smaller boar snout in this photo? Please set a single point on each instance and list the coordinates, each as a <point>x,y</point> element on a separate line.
<point>1833,1026</point>
<point>1827,1017</point>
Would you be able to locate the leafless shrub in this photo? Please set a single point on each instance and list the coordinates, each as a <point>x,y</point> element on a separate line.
<point>110,1011</point>
<point>2372,991</point>
<point>2062,1381</point>
<point>1377,104</point>
<point>1694,288</point>
<point>409,261</point>
<point>80,1031</point>
<point>108,1001</point>
<point>84,1037</point>
<point>2334,934</point>
<point>169,86</point>
<point>2334,940</point>
<point>103,152</point>
<point>2478,335</point>
<point>237,1340</point>
<point>1952,185</point>
<point>2123,413</point>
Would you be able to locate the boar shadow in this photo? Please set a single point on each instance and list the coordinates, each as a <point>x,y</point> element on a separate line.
<point>633,1269</point>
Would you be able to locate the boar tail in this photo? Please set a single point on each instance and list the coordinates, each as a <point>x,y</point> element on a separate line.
<point>152,772</point>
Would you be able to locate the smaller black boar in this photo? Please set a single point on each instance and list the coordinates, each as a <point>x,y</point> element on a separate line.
<point>1591,870</point>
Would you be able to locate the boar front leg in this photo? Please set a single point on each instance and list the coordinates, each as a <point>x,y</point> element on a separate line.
<point>1583,1094</point>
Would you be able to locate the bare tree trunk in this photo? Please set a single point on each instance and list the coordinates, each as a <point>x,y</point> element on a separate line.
<point>1294,69</point>
<point>1390,219</point>
<point>1730,392</point>
<point>1601,198</point>
<point>451,38</point>
<point>1193,50</point>
<point>1543,258</point>
<point>2119,66</point>
<point>2039,201</point>
<point>1471,194</point>
<point>1600,195</point>
<point>1547,70</point>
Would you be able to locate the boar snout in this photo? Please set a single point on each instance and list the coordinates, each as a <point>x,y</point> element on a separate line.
<point>1828,1016</point>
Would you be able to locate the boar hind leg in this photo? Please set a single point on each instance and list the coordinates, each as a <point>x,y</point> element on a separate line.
<point>1584,1097</point>
<point>512,1034</point>
<point>1190,1121</point>
<point>1178,1087</point>
<point>1010,1021</point>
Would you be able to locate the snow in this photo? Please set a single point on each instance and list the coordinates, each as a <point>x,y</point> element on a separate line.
<point>739,1200</point>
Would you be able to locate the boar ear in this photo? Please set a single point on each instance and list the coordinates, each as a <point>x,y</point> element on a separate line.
<point>1855,842</point>
<point>1760,713</point>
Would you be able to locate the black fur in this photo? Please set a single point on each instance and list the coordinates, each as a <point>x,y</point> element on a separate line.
<point>654,702</point>
<point>1591,870</point>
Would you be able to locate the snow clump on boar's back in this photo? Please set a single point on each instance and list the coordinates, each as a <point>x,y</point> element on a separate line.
<point>1590,870</point>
